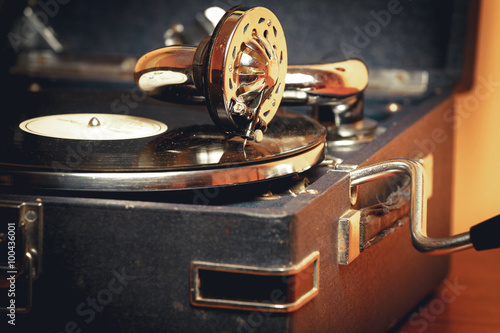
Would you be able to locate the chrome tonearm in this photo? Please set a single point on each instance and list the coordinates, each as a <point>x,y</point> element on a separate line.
<point>241,73</point>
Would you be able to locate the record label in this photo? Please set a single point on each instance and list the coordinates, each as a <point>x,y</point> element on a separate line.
<point>90,126</point>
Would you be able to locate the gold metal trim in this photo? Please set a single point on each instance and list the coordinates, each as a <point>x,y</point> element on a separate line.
<point>198,300</point>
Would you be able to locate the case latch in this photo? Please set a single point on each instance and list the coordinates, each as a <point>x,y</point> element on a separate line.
<point>21,235</point>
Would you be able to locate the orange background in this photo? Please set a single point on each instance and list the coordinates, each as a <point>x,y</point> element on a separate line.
<point>477,149</point>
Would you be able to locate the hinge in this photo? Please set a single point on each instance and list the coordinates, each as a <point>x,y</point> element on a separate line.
<point>21,237</point>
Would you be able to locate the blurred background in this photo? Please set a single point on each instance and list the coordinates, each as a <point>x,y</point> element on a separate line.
<point>477,158</point>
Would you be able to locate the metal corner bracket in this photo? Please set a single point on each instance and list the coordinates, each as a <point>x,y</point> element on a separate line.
<point>348,237</point>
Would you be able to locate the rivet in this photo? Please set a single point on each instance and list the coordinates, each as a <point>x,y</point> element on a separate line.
<point>259,136</point>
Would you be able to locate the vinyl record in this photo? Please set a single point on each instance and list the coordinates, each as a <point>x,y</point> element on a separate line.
<point>107,141</point>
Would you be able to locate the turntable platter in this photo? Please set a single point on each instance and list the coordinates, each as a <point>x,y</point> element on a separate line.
<point>78,141</point>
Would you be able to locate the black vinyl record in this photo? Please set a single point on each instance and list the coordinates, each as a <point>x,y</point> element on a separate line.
<point>106,141</point>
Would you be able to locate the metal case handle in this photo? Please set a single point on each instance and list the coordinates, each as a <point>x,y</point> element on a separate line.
<point>418,206</point>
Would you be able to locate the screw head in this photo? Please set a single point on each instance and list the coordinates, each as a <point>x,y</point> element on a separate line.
<point>239,108</point>
<point>30,216</point>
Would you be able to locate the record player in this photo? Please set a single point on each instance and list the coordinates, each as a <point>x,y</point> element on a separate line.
<point>215,188</point>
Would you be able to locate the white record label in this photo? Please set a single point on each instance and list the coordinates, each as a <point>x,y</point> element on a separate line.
<point>93,126</point>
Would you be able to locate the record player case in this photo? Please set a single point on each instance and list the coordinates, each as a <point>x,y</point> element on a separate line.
<point>258,257</point>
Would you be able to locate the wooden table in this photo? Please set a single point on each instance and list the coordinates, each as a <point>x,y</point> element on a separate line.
<point>467,301</point>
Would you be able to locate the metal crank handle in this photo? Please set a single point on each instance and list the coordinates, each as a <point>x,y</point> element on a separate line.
<point>167,74</point>
<point>240,72</point>
<point>483,236</point>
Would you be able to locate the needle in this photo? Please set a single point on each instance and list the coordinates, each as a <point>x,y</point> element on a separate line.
<point>245,143</point>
